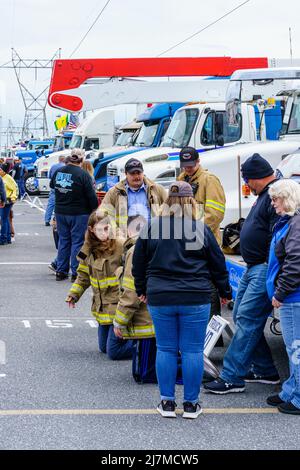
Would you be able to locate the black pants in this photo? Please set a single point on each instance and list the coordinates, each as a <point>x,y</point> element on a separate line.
<point>215,309</point>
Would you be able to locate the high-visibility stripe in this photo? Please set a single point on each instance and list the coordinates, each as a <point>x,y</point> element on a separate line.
<point>77,288</point>
<point>105,282</point>
<point>139,332</point>
<point>104,318</point>
<point>216,202</point>
<point>128,282</point>
<point>121,318</point>
<point>215,205</point>
<point>83,267</point>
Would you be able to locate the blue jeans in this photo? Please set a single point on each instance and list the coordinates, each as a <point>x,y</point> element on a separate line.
<point>116,348</point>
<point>180,328</point>
<point>21,186</point>
<point>290,326</point>
<point>5,234</point>
<point>50,206</point>
<point>248,350</point>
<point>71,230</point>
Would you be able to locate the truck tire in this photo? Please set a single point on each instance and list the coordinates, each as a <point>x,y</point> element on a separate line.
<point>30,186</point>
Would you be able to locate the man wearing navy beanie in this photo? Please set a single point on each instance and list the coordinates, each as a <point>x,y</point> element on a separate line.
<point>248,358</point>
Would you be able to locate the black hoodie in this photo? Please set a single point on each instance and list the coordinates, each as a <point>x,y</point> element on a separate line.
<point>170,272</point>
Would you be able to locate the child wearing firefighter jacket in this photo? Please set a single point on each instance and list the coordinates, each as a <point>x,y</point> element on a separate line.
<point>99,258</point>
<point>132,319</point>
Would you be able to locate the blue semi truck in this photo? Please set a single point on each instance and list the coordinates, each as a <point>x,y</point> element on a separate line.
<point>34,150</point>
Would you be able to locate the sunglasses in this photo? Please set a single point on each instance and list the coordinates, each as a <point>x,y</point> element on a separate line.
<point>246,180</point>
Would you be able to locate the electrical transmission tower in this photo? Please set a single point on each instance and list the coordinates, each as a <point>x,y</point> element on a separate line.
<point>35,103</point>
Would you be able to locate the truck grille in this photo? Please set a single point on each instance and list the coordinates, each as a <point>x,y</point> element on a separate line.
<point>112,171</point>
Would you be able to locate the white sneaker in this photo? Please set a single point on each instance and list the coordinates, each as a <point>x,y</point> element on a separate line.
<point>167,408</point>
<point>13,239</point>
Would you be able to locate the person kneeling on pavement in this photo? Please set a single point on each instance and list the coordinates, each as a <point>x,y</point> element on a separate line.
<point>99,258</point>
<point>132,319</point>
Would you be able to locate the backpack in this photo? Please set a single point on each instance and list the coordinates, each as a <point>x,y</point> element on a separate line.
<point>231,238</point>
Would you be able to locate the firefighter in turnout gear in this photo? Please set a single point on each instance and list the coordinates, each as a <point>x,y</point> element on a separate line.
<point>135,195</point>
<point>132,319</point>
<point>207,189</point>
<point>209,193</point>
<point>99,258</point>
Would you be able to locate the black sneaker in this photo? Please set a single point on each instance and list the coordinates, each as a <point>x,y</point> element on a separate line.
<point>220,387</point>
<point>73,277</point>
<point>289,409</point>
<point>191,411</point>
<point>262,379</point>
<point>47,224</point>
<point>61,276</point>
<point>167,408</point>
<point>52,266</point>
<point>274,400</point>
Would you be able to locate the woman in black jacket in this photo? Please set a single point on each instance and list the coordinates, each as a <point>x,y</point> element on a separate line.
<point>174,262</point>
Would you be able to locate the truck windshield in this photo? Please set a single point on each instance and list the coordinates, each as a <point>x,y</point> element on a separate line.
<point>181,128</point>
<point>76,142</point>
<point>147,134</point>
<point>294,120</point>
<point>125,138</point>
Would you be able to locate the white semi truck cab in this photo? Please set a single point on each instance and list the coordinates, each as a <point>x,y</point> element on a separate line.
<point>95,133</point>
<point>203,126</point>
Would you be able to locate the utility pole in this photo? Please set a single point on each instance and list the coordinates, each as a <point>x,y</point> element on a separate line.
<point>35,103</point>
<point>291,49</point>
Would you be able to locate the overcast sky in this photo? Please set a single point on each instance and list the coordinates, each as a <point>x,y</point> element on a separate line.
<point>139,28</point>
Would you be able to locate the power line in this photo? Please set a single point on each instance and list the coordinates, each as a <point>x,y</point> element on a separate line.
<point>203,29</point>
<point>90,28</point>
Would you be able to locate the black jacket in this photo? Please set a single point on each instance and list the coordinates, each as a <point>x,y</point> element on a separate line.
<point>74,191</point>
<point>287,251</point>
<point>256,233</point>
<point>169,273</point>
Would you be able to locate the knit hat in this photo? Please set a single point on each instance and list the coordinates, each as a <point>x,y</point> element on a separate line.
<point>181,189</point>
<point>256,167</point>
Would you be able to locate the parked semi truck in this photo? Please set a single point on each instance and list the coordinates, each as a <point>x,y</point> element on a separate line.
<point>35,149</point>
<point>154,121</point>
<point>95,133</point>
<point>225,163</point>
<point>203,126</point>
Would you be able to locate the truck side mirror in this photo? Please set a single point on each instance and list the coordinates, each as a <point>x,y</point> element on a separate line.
<point>220,141</point>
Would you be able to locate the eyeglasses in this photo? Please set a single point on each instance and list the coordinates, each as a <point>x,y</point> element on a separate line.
<point>274,198</point>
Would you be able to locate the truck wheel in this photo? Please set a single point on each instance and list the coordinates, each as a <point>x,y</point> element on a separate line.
<point>30,186</point>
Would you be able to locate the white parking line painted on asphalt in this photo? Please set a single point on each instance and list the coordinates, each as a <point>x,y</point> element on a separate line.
<point>2,375</point>
<point>34,205</point>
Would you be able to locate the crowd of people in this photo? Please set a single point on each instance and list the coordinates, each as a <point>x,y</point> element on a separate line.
<point>12,188</point>
<point>155,264</point>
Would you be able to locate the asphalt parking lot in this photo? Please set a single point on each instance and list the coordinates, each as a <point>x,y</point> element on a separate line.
<point>58,392</point>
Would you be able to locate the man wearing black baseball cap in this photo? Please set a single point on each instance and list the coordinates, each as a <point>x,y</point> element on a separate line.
<point>135,195</point>
<point>248,358</point>
<point>207,189</point>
